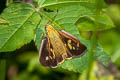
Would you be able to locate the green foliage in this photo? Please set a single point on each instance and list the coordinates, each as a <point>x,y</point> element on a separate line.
<point>3,21</point>
<point>72,16</point>
<point>114,12</point>
<point>116,56</point>
<point>110,39</point>
<point>72,65</point>
<point>22,21</point>
<point>96,69</point>
<point>96,23</point>
<point>53,4</point>
<point>66,19</point>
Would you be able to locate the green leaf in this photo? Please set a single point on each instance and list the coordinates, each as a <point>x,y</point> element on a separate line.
<point>110,40</point>
<point>116,56</point>
<point>40,2</point>
<point>114,12</point>
<point>3,21</point>
<point>66,19</point>
<point>101,22</point>
<point>40,31</point>
<point>22,20</point>
<point>68,16</point>
<point>38,37</point>
<point>56,4</point>
<point>96,23</point>
<point>63,18</point>
<point>80,64</point>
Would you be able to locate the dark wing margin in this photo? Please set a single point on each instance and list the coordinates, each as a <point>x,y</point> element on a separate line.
<point>74,46</point>
<point>46,56</point>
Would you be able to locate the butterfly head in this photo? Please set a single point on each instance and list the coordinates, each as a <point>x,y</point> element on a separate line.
<point>48,28</point>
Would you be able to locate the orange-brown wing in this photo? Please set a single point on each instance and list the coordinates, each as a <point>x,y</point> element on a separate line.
<point>46,55</point>
<point>74,46</point>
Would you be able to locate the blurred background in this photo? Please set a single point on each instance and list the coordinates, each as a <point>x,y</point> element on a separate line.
<point>24,64</point>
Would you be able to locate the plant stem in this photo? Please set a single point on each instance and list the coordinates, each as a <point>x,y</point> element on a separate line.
<point>2,69</point>
<point>92,52</point>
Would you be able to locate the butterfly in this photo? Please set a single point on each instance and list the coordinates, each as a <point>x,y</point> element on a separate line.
<point>58,46</point>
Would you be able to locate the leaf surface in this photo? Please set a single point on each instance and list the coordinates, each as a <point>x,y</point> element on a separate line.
<point>66,19</point>
<point>22,21</point>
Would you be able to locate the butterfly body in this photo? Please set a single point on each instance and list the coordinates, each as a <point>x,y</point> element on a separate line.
<point>54,37</point>
<point>58,46</point>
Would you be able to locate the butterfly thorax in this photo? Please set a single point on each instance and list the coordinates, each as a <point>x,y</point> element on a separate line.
<point>59,47</point>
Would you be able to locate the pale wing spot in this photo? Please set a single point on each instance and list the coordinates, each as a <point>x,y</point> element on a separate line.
<point>47,58</point>
<point>73,48</point>
<point>77,44</point>
<point>51,50</point>
<point>69,41</point>
<point>69,46</point>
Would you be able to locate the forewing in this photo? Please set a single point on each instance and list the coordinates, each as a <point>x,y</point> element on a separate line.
<point>47,56</point>
<point>74,46</point>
